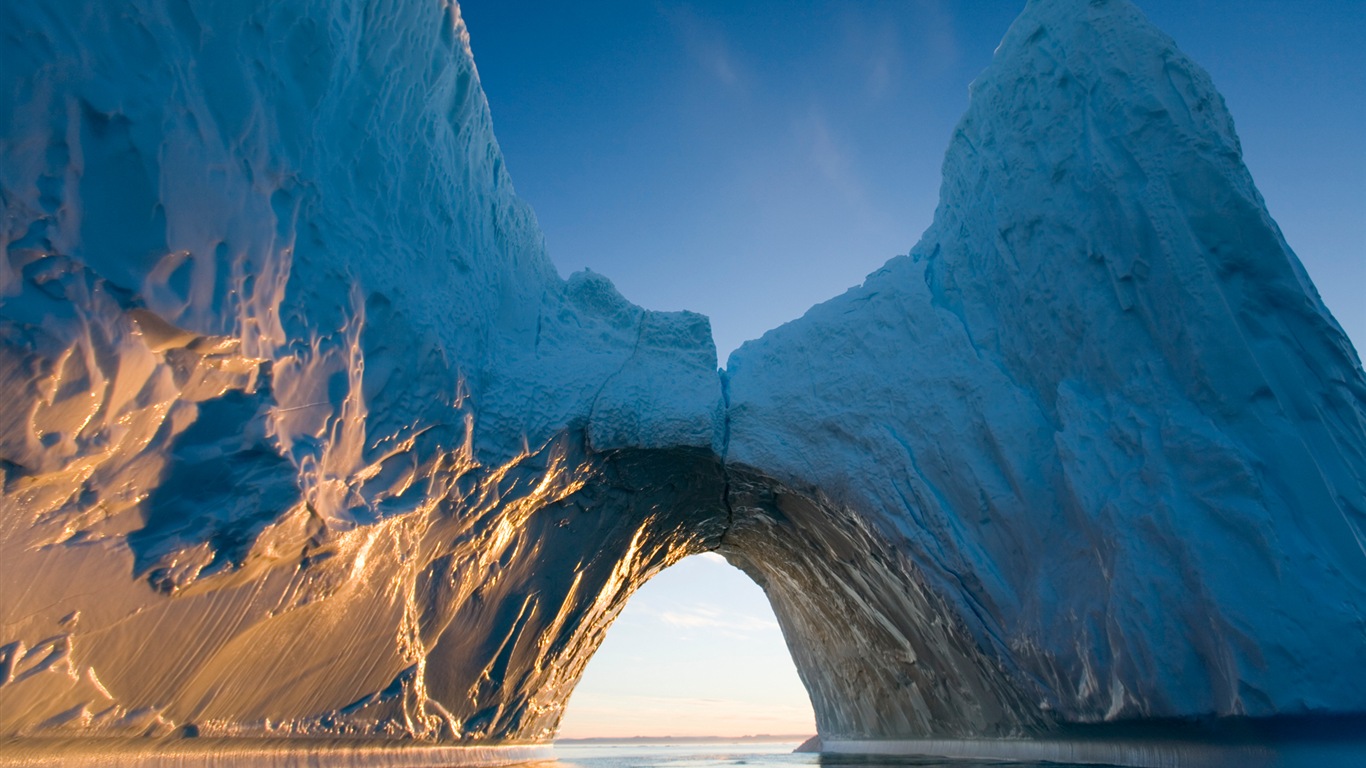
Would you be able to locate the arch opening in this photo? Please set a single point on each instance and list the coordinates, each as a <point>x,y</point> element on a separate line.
<point>879,649</point>
<point>697,652</point>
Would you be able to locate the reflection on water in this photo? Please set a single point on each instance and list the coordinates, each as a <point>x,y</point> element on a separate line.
<point>762,755</point>
<point>1322,751</point>
<point>884,761</point>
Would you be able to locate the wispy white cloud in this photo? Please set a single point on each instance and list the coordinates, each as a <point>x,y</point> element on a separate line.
<point>892,46</point>
<point>705,44</point>
<point>880,72</point>
<point>705,617</point>
<point>878,43</point>
<point>831,158</point>
<point>938,35</point>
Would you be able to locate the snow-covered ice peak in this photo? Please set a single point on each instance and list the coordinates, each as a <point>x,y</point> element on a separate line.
<point>1100,402</point>
<point>304,436</point>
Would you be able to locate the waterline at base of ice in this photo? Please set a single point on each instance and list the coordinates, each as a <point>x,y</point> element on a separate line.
<point>1131,753</point>
<point>225,753</point>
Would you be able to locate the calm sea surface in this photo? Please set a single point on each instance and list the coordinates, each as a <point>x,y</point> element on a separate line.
<point>747,753</point>
<point>1307,753</point>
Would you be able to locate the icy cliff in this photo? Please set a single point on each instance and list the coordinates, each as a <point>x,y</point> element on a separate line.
<point>304,436</point>
<point>1100,404</point>
<point>287,371</point>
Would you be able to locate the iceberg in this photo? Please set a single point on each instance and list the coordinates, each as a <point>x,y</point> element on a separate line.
<point>307,443</point>
<point>1099,406</point>
<point>299,409</point>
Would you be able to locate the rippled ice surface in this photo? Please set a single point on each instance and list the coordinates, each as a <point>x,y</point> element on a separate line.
<point>716,755</point>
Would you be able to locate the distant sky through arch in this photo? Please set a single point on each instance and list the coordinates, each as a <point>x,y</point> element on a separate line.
<point>696,652</point>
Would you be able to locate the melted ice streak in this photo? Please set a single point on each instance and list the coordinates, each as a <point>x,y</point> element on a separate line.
<point>305,436</point>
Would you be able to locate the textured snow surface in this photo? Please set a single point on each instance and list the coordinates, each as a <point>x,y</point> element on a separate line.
<point>1100,404</point>
<point>304,436</point>
<point>287,369</point>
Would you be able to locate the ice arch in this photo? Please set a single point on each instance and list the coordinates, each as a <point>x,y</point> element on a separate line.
<point>880,655</point>
<point>304,437</point>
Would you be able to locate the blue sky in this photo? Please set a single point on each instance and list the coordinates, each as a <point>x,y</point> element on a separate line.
<point>749,159</point>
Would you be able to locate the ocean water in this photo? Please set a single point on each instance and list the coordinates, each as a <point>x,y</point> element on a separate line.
<point>724,755</point>
<point>1339,752</point>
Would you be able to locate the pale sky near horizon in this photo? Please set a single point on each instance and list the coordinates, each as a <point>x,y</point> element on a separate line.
<point>696,652</point>
<point>747,160</point>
